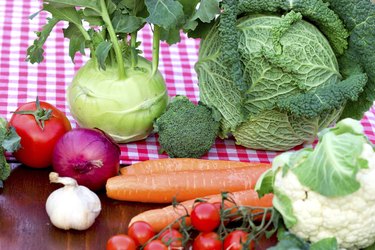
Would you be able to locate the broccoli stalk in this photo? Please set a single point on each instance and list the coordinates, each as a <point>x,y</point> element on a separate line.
<point>186,130</point>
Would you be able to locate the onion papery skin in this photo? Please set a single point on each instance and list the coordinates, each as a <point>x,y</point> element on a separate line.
<point>123,108</point>
<point>89,156</point>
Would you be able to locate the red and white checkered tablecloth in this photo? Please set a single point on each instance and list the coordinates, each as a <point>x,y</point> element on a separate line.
<point>21,81</point>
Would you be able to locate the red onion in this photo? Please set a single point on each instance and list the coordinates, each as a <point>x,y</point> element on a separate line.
<point>87,155</point>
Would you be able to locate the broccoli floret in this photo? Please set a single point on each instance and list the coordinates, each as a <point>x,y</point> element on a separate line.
<point>186,130</point>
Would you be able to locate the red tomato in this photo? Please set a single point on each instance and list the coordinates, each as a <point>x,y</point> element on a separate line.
<point>236,239</point>
<point>36,143</point>
<point>205,217</point>
<point>120,242</point>
<point>155,245</point>
<point>207,241</point>
<point>171,237</point>
<point>141,232</point>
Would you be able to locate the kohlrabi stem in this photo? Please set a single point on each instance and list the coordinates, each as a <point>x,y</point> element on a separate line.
<point>84,32</point>
<point>114,40</point>
<point>133,43</point>
<point>155,49</point>
<point>87,37</point>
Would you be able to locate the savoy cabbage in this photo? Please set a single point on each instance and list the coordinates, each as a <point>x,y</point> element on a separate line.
<point>279,71</point>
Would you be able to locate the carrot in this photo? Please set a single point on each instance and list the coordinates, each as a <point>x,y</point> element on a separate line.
<point>182,185</point>
<point>162,217</point>
<point>169,165</point>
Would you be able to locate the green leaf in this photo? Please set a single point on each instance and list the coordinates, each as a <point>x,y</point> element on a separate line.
<point>3,129</point>
<point>35,51</point>
<point>207,10</point>
<point>189,6</point>
<point>200,30</point>
<point>359,18</point>
<point>372,247</point>
<point>92,17</point>
<point>4,168</point>
<point>77,40</point>
<point>289,241</point>
<point>101,53</point>
<point>332,167</point>
<point>111,7</point>
<point>11,141</point>
<point>264,184</point>
<point>165,13</point>
<point>325,244</point>
<point>126,23</point>
<point>92,4</point>
<point>69,14</point>
<point>171,36</point>
<point>134,6</point>
<point>283,204</point>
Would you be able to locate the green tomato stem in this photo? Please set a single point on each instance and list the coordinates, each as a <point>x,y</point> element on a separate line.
<point>155,49</point>
<point>114,40</point>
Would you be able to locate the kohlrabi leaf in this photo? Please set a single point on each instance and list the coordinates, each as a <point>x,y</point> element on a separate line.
<point>134,6</point>
<point>92,4</point>
<point>35,51</point>
<point>189,6</point>
<point>171,36</point>
<point>165,13</point>
<point>69,14</point>
<point>77,40</point>
<point>126,23</point>
<point>207,11</point>
<point>325,244</point>
<point>111,7</point>
<point>332,167</point>
<point>101,53</point>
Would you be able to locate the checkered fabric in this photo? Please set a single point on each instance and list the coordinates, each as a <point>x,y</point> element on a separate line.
<point>21,81</point>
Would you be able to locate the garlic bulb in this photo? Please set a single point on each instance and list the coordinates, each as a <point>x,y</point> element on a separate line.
<point>72,206</point>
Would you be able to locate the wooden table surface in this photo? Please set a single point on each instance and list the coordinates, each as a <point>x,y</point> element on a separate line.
<point>24,223</point>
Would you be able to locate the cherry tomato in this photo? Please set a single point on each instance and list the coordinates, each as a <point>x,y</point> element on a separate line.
<point>120,242</point>
<point>141,232</point>
<point>40,125</point>
<point>207,241</point>
<point>205,217</point>
<point>171,237</point>
<point>155,245</point>
<point>236,239</point>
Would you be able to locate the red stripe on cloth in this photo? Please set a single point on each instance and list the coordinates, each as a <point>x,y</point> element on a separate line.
<point>4,57</point>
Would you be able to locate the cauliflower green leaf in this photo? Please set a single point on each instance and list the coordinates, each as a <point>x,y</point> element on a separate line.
<point>331,168</point>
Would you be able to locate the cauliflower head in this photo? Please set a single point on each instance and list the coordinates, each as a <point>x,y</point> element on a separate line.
<point>328,191</point>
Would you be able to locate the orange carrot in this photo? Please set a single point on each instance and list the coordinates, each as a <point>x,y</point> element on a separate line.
<point>182,185</point>
<point>161,218</point>
<point>169,165</point>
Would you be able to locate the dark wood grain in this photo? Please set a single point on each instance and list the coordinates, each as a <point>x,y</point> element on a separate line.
<point>24,223</point>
